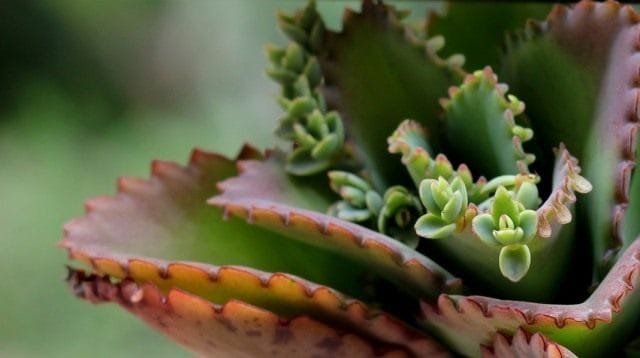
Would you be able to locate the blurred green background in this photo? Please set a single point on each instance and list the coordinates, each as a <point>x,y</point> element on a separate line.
<point>91,90</point>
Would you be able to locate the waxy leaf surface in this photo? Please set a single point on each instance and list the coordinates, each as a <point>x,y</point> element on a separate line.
<point>234,328</point>
<point>170,216</point>
<point>384,257</point>
<point>378,72</point>
<point>589,329</point>
<point>591,53</point>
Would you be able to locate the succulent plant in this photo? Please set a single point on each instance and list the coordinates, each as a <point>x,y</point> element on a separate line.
<point>421,209</point>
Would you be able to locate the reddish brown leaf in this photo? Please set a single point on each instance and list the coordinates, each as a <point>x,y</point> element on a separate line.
<point>232,329</point>
<point>524,345</point>
<point>161,232</point>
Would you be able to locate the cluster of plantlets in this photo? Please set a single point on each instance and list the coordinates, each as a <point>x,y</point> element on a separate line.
<point>420,210</point>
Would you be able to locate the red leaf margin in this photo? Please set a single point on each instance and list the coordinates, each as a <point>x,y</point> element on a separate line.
<point>202,280</point>
<point>234,327</point>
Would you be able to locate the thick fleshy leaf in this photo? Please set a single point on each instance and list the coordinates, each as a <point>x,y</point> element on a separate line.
<point>483,227</point>
<point>410,140</point>
<point>302,163</point>
<point>478,29</point>
<point>283,294</point>
<point>555,213</point>
<point>377,75</point>
<point>590,52</point>
<point>527,345</point>
<point>481,126</point>
<point>455,207</point>
<point>235,327</point>
<point>268,181</point>
<point>351,214</point>
<point>164,221</point>
<point>259,195</point>
<point>528,195</point>
<point>399,210</point>
<point>528,221</point>
<point>433,227</point>
<point>631,222</point>
<point>590,329</point>
<point>503,204</point>
<point>514,261</point>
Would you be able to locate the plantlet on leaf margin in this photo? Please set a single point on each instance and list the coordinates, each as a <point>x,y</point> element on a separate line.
<point>359,201</point>
<point>509,226</point>
<point>446,203</point>
<point>392,214</point>
<point>317,134</point>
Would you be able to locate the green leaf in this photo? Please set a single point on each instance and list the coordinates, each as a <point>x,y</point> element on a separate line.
<point>339,179</point>
<point>426,196</point>
<point>265,196</point>
<point>515,261</point>
<point>492,185</point>
<point>441,192</point>
<point>454,207</point>
<point>528,221</point>
<point>301,162</point>
<point>326,147</point>
<point>481,129</point>
<point>353,214</point>
<point>376,75</point>
<point>478,29</point>
<point>410,140</point>
<point>594,328</point>
<point>483,227</point>
<point>503,204</point>
<point>399,211</point>
<point>590,52</point>
<point>631,222</point>
<point>509,237</point>
<point>433,227</point>
<point>528,195</point>
<point>373,201</point>
<point>317,136</point>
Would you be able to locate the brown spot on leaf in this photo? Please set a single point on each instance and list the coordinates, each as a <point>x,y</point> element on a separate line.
<point>331,344</point>
<point>282,336</point>
<point>253,333</point>
<point>227,324</point>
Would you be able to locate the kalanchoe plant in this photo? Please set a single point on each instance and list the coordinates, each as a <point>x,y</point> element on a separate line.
<point>419,210</point>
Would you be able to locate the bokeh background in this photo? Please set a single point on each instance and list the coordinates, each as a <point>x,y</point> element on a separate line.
<point>90,90</point>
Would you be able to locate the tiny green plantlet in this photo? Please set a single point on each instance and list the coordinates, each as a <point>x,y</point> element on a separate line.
<point>421,207</point>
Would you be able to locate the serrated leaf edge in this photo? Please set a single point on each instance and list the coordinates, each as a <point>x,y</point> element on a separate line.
<point>426,274</point>
<point>523,159</point>
<point>331,305</point>
<point>525,344</point>
<point>556,210</point>
<point>487,316</point>
<point>178,303</point>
